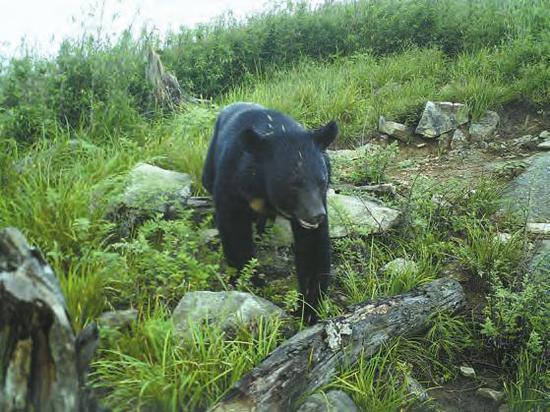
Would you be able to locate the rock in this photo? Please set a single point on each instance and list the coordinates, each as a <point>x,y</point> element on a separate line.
<point>544,145</point>
<point>459,140</point>
<point>544,135</point>
<point>154,189</point>
<point>416,389</point>
<point>441,117</point>
<point>348,215</point>
<point>346,162</point>
<point>539,267</point>
<point>485,127</point>
<point>529,193</point>
<point>467,372</point>
<point>420,145</point>
<point>399,266</point>
<point>393,129</point>
<point>208,235</point>
<point>332,401</point>
<point>527,141</point>
<point>228,310</point>
<point>536,228</point>
<point>503,237</point>
<point>118,319</point>
<point>488,393</point>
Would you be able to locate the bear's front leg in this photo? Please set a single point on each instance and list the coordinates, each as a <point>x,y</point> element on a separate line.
<point>235,227</point>
<point>312,255</point>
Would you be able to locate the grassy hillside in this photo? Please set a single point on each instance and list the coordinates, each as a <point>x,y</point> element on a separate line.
<point>72,126</point>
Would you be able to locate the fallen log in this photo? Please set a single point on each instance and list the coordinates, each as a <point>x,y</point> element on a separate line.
<point>311,358</point>
<point>43,366</point>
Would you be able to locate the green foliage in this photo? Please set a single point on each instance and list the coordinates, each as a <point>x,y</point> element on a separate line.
<point>374,164</point>
<point>150,367</point>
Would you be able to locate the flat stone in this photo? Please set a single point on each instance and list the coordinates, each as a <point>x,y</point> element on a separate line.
<point>544,145</point>
<point>485,127</point>
<point>332,401</point>
<point>467,372</point>
<point>536,228</point>
<point>393,129</point>
<point>441,117</point>
<point>118,319</point>
<point>228,310</point>
<point>530,192</point>
<point>545,134</point>
<point>488,393</point>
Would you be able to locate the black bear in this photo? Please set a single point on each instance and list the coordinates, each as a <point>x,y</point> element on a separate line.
<point>261,163</point>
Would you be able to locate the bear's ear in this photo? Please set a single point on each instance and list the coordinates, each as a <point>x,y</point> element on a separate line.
<point>325,135</point>
<point>253,142</point>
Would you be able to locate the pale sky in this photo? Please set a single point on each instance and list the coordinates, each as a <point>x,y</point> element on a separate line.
<point>44,23</point>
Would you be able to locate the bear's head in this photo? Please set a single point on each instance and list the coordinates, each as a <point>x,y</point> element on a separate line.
<point>295,168</point>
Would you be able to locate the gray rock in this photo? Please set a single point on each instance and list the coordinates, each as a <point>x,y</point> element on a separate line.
<point>527,141</point>
<point>393,129</point>
<point>399,266</point>
<point>467,372</point>
<point>503,237</point>
<point>488,393</point>
<point>228,310</point>
<point>118,319</point>
<point>441,117</point>
<point>332,401</point>
<point>530,191</point>
<point>538,228</point>
<point>348,215</point>
<point>459,140</point>
<point>544,145</point>
<point>545,134</point>
<point>485,127</point>
<point>416,389</point>
<point>539,267</point>
<point>153,188</point>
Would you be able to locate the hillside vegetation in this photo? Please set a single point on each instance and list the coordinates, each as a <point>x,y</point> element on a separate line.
<point>73,125</point>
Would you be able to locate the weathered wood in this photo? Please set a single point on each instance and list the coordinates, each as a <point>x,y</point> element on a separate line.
<point>43,366</point>
<point>311,358</point>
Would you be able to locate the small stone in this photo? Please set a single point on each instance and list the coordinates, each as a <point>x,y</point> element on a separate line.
<point>399,266</point>
<point>485,127</point>
<point>393,129</point>
<point>544,145</point>
<point>421,145</point>
<point>118,319</point>
<point>332,401</point>
<point>535,228</point>
<point>545,134</point>
<point>488,393</point>
<point>503,237</point>
<point>467,372</point>
<point>458,141</point>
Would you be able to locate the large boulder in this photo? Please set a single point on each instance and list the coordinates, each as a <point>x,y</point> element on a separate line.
<point>155,189</point>
<point>227,310</point>
<point>441,117</point>
<point>485,127</point>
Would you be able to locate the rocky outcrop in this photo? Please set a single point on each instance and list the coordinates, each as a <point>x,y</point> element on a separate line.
<point>441,117</point>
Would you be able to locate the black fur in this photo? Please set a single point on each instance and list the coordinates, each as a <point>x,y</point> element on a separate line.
<point>260,157</point>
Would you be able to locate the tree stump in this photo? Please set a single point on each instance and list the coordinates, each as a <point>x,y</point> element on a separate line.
<point>43,366</point>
